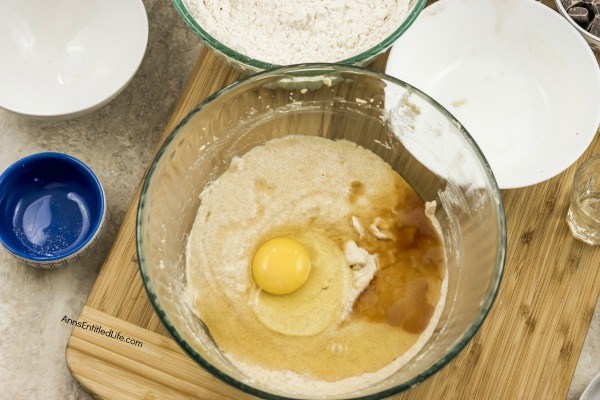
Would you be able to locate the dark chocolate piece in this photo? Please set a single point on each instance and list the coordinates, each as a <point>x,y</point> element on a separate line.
<point>580,15</point>
<point>571,3</point>
<point>593,6</point>
<point>594,27</point>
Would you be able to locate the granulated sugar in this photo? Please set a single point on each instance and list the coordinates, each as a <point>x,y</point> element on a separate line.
<point>297,31</point>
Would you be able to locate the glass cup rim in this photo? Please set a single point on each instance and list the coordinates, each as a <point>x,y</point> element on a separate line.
<point>217,45</point>
<point>580,171</point>
<point>458,345</point>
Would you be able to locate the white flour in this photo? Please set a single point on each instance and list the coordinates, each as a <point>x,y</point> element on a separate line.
<point>297,31</point>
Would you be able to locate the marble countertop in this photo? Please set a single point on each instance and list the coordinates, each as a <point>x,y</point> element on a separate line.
<point>117,142</point>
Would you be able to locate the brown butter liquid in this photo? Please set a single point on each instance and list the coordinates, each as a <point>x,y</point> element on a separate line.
<point>407,285</point>
<point>388,317</point>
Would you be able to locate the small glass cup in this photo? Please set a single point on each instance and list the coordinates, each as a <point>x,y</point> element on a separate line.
<point>584,214</point>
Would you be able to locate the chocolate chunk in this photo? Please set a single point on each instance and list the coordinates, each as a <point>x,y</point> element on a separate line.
<point>593,6</point>
<point>594,27</point>
<point>587,4</point>
<point>571,3</point>
<point>580,15</point>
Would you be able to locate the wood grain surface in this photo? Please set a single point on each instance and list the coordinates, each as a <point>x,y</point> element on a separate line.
<point>527,348</point>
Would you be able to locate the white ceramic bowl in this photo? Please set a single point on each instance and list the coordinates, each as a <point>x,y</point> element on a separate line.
<point>520,79</point>
<point>62,58</point>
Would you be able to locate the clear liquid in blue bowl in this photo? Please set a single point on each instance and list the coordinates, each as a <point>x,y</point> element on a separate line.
<point>50,206</point>
<point>52,221</point>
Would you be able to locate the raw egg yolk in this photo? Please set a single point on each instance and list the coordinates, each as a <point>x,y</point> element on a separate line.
<point>280,266</point>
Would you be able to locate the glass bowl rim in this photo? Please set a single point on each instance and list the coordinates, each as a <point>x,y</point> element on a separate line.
<point>458,345</point>
<point>220,47</point>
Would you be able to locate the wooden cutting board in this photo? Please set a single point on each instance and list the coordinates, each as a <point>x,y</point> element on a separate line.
<point>527,348</point>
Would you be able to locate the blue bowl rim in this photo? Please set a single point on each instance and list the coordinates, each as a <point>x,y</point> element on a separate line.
<point>93,179</point>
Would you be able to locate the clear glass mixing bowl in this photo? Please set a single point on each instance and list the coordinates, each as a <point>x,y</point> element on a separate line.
<point>249,65</point>
<point>409,130</point>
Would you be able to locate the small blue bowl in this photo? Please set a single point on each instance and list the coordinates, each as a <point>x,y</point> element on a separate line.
<point>52,208</point>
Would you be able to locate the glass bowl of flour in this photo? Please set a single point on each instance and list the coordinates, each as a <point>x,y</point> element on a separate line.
<point>321,109</point>
<point>258,35</point>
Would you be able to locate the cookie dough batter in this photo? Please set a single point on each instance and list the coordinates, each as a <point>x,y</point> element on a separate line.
<point>373,294</point>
